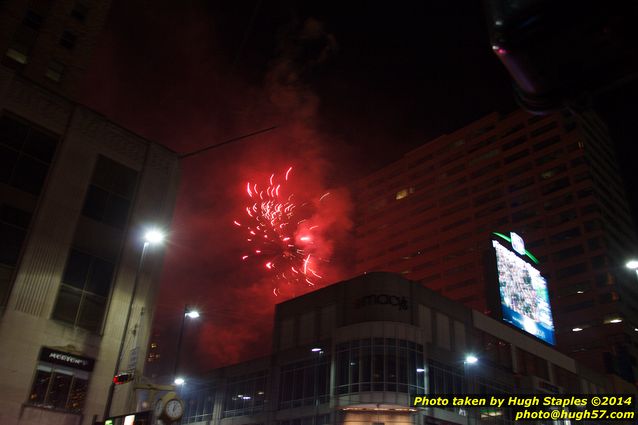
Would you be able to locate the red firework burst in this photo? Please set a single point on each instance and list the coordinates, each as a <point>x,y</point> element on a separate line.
<point>283,237</point>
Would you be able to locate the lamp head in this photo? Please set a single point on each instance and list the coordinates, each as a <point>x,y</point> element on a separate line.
<point>154,236</point>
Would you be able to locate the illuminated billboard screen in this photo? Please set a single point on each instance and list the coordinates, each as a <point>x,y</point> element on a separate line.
<point>524,297</point>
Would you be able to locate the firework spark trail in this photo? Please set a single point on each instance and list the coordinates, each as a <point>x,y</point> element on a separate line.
<point>284,239</point>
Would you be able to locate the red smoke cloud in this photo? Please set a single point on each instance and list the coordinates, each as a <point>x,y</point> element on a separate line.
<point>297,142</point>
<point>187,99</point>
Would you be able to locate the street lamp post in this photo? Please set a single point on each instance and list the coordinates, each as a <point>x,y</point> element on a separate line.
<point>152,237</point>
<point>318,352</point>
<point>633,265</point>
<point>468,361</point>
<point>191,314</point>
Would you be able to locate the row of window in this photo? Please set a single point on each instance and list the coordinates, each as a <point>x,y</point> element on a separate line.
<point>379,364</point>
<point>87,278</point>
<point>27,33</point>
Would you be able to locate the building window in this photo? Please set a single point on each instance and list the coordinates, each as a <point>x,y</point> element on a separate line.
<point>496,351</point>
<point>23,40</point>
<point>25,155</point>
<point>379,364</point>
<point>516,156</point>
<point>531,364</point>
<point>110,194</point>
<point>80,11</point>
<point>86,284</point>
<point>245,395</point>
<point>68,40</point>
<point>403,193</point>
<point>32,20</point>
<point>55,71</point>
<point>544,129</point>
<point>198,405</point>
<point>546,143</point>
<point>305,383</point>
<point>61,381</point>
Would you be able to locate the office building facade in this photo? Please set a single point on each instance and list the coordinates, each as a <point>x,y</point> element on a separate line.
<point>354,352</point>
<point>76,194</point>
<point>552,180</point>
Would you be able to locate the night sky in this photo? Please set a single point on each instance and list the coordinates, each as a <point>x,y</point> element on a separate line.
<point>351,86</point>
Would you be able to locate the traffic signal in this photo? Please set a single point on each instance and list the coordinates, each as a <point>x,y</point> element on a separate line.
<point>122,378</point>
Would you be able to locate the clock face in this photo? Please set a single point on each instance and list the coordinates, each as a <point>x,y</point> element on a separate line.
<point>158,408</point>
<point>174,409</point>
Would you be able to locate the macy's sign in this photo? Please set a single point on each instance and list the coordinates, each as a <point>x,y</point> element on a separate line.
<point>400,302</point>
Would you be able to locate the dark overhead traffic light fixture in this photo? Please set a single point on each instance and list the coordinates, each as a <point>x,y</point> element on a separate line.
<point>561,52</point>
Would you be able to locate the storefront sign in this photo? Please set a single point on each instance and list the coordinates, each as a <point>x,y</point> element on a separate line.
<point>400,302</point>
<point>74,361</point>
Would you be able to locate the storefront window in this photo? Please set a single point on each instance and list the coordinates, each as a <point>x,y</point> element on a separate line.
<point>379,364</point>
<point>61,380</point>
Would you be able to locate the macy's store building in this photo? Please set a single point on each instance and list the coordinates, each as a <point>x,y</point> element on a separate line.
<point>352,353</point>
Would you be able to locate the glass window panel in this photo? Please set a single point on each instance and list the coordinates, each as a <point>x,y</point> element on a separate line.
<point>92,312</point>
<point>40,386</point>
<point>100,278</point>
<point>286,387</point>
<point>124,182</point>
<point>29,175</point>
<point>95,203</point>
<point>40,145</point>
<point>354,366</point>
<point>67,304</point>
<point>12,132</point>
<point>8,159</point>
<point>6,274</point>
<point>309,382</point>
<point>403,366</point>
<point>391,366</point>
<point>10,243</point>
<point>15,216</point>
<point>77,269</point>
<point>80,11</point>
<point>103,174</point>
<point>116,211</point>
<point>297,392</point>
<point>59,390</point>
<point>377,368</point>
<point>342,368</point>
<point>77,395</point>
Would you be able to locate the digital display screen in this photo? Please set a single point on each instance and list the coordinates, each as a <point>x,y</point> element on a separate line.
<point>524,297</point>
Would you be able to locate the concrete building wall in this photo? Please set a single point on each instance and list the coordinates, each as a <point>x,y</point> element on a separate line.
<point>57,224</point>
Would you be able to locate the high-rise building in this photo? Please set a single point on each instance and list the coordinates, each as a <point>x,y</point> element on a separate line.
<point>50,42</point>
<point>552,180</point>
<point>76,193</point>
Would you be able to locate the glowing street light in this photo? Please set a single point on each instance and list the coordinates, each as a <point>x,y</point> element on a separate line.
<point>191,313</point>
<point>179,381</point>
<point>152,236</point>
<point>633,264</point>
<point>471,359</point>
